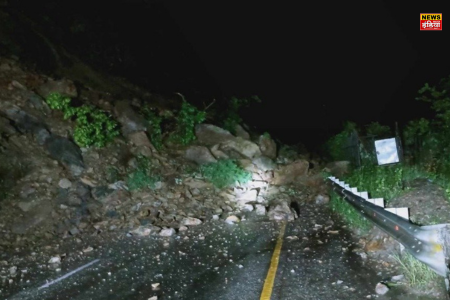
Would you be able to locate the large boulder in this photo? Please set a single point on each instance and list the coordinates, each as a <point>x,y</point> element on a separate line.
<point>65,152</point>
<point>129,119</point>
<point>267,146</point>
<point>244,148</point>
<point>281,211</point>
<point>241,132</point>
<point>338,168</point>
<point>200,155</point>
<point>25,122</point>
<point>210,135</point>
<point>290,172</point>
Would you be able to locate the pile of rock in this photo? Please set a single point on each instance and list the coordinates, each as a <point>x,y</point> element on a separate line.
<point>61,190</point>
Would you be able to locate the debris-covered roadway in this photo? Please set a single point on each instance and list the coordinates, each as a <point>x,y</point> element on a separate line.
<point>218,260</point>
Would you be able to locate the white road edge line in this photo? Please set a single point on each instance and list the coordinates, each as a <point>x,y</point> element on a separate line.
<point>68,274</point>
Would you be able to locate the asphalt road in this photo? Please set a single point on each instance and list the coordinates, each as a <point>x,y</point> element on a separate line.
<point>220,261</point>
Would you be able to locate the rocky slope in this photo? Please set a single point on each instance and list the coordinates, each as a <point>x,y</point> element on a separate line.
<point>53,189</point>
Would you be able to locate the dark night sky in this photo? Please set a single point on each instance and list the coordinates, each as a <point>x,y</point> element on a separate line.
<point>314,65</point>
<point>347,60</point>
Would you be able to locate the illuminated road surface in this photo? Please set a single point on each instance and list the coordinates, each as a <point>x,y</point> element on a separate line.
<point>220,261</point>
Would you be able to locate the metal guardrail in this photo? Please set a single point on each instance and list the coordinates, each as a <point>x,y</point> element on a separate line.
<point>425,243</point>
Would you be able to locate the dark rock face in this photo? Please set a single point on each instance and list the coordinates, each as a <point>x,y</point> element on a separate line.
<point>27,123</point>
<point>66,152</point>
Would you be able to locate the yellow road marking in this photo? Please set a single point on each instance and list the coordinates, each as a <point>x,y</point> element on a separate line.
<point>270,278</point>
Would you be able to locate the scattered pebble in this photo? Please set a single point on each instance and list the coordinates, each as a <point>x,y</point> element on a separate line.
<point>381,288</point>
<point>55,260</point>
<point>191,221</point>
<point>398,278</point>
<point>88,249</point>
<point>65,183</point>
<point>13,270</point>
<point>167,232</point>
<point>232,220</point>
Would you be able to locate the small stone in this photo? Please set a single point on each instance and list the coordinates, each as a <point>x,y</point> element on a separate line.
<point>191,221</point>
<point>339,282</point>
<point>74,231</point>
<point>167,232</point>
<point>322,199</point>
<point>247,207</point>
<point>55,260</point>
<point>381,288</point>
<point>362,254</point>
<point>182,228</point>
<point>232,220</point>
<point>155,286</point>
<point>143,231</point>
<point>398,278</point>
<point>65,183</point>
<point>13,270</point>
<point>88,181</point>
<point>88,249</point>
<point>260,210</point>
<point>153,298</point>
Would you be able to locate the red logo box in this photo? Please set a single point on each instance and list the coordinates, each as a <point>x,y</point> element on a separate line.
<point>430,22</point>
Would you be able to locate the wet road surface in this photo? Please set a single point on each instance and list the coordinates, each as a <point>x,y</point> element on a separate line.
<point>221,261</point>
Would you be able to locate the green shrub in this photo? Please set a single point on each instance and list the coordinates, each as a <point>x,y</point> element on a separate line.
<point>335,146</point>
<point>417,274</point>
<point>57,101</point>
<point>155,130</point>
<point>142,176</point>
<point>93,126</point>
<point>379,181</point>
<point>378,130</point>
<point>187,118</point>
<point>267,135</point>
<point>416,129</point>
<point>349,214</point>
<point>224,173</point>
<point>431,139</point>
